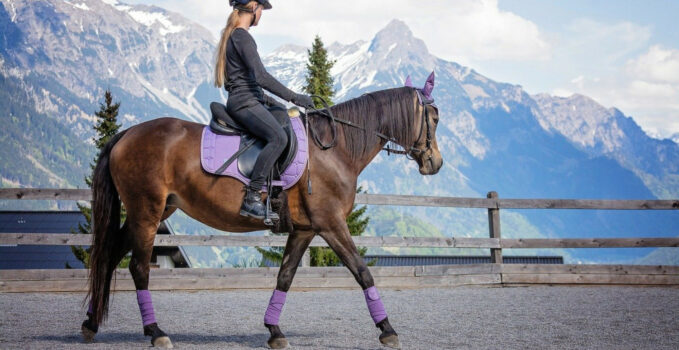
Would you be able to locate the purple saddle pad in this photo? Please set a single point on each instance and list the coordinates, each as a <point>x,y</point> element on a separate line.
<point>215,149</point>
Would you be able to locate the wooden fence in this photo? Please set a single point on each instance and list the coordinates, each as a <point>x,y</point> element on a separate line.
<point>397,277</point>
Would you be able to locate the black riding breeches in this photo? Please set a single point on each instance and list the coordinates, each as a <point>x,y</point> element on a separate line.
<point>266,123</point>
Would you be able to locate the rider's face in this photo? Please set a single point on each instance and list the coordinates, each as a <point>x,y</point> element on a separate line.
<point>258,14</point>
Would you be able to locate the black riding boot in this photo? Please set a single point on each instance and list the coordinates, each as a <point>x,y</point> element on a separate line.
<point>252,204</point>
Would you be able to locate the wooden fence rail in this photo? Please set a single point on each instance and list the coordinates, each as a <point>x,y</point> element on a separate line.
<point>406,242</point>
<point>402,200</point>
<point>338,277</point>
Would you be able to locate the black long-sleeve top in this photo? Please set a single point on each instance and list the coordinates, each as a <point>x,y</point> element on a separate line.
<point>246,75</point>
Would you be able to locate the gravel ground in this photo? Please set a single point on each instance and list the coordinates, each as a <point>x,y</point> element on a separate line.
<point>536,317</point>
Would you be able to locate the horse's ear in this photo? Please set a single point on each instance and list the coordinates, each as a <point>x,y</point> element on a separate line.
<point>408,83</point>
<point>428,86</point>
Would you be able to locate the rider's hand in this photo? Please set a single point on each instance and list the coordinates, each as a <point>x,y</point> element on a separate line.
<point>304,101</point>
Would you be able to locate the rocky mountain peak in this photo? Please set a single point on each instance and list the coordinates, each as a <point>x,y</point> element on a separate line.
<point>396,30</point>
<point>675,137</point>
<point>581,119</point>
<point>396,43</point>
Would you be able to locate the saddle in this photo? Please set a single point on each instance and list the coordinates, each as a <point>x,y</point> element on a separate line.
<point>250,146</point>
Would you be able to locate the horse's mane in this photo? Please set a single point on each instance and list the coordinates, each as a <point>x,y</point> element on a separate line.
<point>390,112</point>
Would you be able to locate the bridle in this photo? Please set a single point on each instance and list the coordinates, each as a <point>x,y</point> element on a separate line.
<point>327,113</point>
<point>425,125</point>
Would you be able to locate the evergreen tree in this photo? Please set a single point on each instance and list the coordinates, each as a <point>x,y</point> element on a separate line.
<point>274,255</point>
<point>318,79</point>
<point>106,126</point>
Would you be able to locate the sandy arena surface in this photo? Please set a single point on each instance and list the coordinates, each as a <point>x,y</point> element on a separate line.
<point>536,317</point>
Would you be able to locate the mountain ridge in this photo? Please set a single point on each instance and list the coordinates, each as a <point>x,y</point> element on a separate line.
<point>493,135</point>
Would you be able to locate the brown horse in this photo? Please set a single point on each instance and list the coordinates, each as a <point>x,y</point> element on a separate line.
<point>154,168</point>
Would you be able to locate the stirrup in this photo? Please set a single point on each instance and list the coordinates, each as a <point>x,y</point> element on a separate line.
<point>271,216</point>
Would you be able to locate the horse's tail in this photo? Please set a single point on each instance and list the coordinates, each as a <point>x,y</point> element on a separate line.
<point>106,237</point>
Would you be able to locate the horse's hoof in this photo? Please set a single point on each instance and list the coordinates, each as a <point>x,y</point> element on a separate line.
<point>391,341</point>
<point>88,335</point>
<point>162,342</point>
<point>278,343</point>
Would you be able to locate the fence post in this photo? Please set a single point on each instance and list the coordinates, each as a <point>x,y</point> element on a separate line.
<point>494,228</point>
<point>306,258</point>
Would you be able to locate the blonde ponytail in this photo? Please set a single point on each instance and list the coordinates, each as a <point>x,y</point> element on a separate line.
<point>220,60</point>
<point>220,66</point>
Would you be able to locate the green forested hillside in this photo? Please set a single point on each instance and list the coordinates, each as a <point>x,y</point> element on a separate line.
<point>35,149</point>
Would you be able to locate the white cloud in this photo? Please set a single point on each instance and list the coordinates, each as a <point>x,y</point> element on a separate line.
<point>658,64</point>
<point>642,88</point>
<point>463,30</point>
<point>610,62</point>
<point>615,64</point>
<point>646,87</point>
<point>460,30</point>
<point>604,41</point>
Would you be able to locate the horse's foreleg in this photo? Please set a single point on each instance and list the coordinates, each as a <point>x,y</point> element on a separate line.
<point>294,250</point>
<point>339,239</point>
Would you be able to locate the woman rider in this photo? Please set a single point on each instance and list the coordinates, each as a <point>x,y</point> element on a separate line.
<point>240,70</point>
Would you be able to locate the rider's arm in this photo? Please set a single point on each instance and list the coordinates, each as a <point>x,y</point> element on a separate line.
<point>247,48</point>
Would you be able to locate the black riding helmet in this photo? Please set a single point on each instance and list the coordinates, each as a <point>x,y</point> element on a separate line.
<point>241,3</point>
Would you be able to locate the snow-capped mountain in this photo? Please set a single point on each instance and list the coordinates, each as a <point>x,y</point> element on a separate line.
<point>609,133</point>
<point>496,136</point>
<point>151,58</point>
<point>58,56</point>
<point>395,53</point>
<point>675,137</point>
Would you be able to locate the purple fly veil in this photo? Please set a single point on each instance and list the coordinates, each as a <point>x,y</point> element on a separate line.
<point>408,83</point>
<point>428,86</point>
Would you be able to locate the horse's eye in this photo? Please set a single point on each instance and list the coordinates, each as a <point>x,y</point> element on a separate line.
<point>436,110</point>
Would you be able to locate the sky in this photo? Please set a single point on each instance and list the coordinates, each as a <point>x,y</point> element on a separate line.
<point>622,53</point>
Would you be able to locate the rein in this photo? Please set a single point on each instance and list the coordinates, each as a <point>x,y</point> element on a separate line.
<point>327,113</point>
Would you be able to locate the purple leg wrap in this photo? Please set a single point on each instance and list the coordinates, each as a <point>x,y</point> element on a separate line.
<point>89,309</point>
<point>146,307</point>
<point>273,312</point>
<point>372,298</point>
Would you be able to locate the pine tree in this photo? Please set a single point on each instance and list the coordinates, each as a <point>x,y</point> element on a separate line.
<point>106,126</point>
<point>274,255</point>
<point>318,79</point>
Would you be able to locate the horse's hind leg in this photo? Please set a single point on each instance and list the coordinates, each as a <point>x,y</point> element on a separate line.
<point>89,327</point>
<point>144,223</point>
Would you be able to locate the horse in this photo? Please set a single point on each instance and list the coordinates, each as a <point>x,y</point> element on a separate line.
<point>154,168</point>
